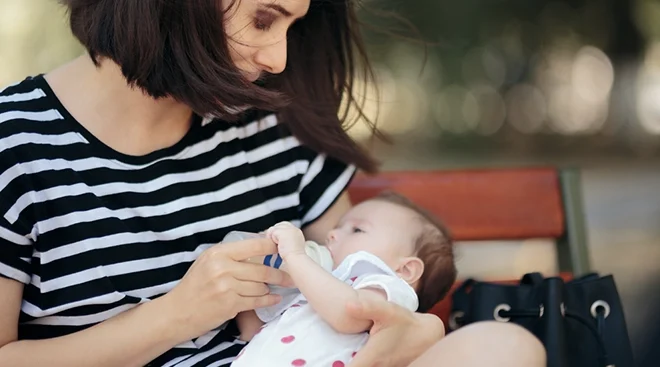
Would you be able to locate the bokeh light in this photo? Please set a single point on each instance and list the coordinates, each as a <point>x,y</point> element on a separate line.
<point>648,91</point>
<point>526,108</point>
<point>490,110</point>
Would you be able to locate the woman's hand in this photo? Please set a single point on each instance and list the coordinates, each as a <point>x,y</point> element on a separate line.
<point>219,285</point>
<point>398,336</point>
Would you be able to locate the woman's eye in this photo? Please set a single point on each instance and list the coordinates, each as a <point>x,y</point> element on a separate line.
<point>263,20</point>
<point>261,25</point>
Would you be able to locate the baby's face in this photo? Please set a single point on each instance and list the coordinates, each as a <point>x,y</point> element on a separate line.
<point>381,228</point>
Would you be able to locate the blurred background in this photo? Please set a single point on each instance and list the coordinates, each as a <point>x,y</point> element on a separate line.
<point>501,83</point>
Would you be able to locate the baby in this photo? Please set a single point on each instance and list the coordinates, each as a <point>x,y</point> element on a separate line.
<point>385,247</point>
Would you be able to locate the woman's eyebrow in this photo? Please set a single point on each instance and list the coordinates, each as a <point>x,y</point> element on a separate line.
<point>278,8</point>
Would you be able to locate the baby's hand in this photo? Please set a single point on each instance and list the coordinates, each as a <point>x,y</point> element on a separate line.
<point>289,239</point>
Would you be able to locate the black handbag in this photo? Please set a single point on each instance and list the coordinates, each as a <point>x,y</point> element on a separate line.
<point>580,322</point>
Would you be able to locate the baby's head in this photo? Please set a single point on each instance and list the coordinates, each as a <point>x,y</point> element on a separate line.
<point>406,237</point>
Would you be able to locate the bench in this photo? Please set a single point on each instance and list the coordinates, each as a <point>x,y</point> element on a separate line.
<point>495,204</point>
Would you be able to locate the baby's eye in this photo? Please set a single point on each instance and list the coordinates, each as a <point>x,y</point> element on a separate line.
<point>357,230</point>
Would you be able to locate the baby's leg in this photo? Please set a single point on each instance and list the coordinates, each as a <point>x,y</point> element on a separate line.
<point>491,344</point>
<point>248,324</point>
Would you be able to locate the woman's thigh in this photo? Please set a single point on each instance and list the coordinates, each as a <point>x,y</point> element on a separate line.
<point>492,344</point>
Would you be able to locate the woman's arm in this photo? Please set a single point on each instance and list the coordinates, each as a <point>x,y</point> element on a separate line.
<point>217,286</point>
<point>132,338</point>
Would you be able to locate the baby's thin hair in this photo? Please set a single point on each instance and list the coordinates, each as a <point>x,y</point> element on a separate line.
<point>435,247</point>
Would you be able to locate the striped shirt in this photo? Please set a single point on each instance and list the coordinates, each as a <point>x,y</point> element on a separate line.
<point>92,232</point>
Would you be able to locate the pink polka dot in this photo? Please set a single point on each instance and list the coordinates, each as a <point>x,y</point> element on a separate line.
<point>298,362</point>
<point>338,364</point>
<point>353,355</point>
<point>288,339</point>
<point>295,305</point>
<point>353,279</point>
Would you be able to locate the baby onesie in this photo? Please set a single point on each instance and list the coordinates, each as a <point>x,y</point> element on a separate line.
<point>295,335</point>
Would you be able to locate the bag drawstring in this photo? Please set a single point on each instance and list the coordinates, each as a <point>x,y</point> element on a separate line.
<point>603,358</point>
<point>504,313</point>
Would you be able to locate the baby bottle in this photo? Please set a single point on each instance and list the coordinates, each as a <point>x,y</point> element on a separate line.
<point>319,254</point>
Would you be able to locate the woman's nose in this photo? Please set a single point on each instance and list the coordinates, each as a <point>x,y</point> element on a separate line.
<point>272,58</point>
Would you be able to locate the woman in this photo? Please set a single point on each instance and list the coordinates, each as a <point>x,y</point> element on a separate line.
<point>114,191</point>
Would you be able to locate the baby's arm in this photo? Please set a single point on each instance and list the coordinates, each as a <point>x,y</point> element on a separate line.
<point>248,324</point>
<point>327,295</point>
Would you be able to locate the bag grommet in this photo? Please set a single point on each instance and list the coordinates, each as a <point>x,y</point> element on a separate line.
<point>453,319</point>
<point>501,307</point>
<point>598,304</point>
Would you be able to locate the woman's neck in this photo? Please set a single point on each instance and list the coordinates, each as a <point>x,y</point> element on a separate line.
<point>122,117</point>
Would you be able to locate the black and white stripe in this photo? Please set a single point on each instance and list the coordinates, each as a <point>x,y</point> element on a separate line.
<point>92,232</point>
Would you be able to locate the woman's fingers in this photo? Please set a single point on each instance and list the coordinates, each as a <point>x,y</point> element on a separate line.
<point>371,309</point>
<point>250,289</point>
<point>261,274</point>
<point>398,336</point>
<point>251,303</point>
<point>243,250</point>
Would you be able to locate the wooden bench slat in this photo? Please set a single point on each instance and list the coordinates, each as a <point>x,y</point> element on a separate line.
<point>479,204</point>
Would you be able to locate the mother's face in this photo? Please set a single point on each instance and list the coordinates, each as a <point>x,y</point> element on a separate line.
<point>257,33</point>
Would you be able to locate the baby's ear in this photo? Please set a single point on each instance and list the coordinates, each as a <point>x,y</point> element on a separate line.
<point>410,269</point>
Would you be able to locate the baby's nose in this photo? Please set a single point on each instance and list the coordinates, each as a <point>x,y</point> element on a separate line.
<point>332,236</point>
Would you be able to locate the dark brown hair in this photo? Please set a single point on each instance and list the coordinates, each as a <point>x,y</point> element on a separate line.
<point>178,48</point>
<point>435,247</point>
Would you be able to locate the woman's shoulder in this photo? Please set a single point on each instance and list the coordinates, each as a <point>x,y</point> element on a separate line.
<point>19,94</point>
<point>29,114</point>
<point>26,84</point>
<point>29,100</point>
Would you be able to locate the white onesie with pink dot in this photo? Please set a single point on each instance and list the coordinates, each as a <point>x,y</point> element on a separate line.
<point>295,335</point>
